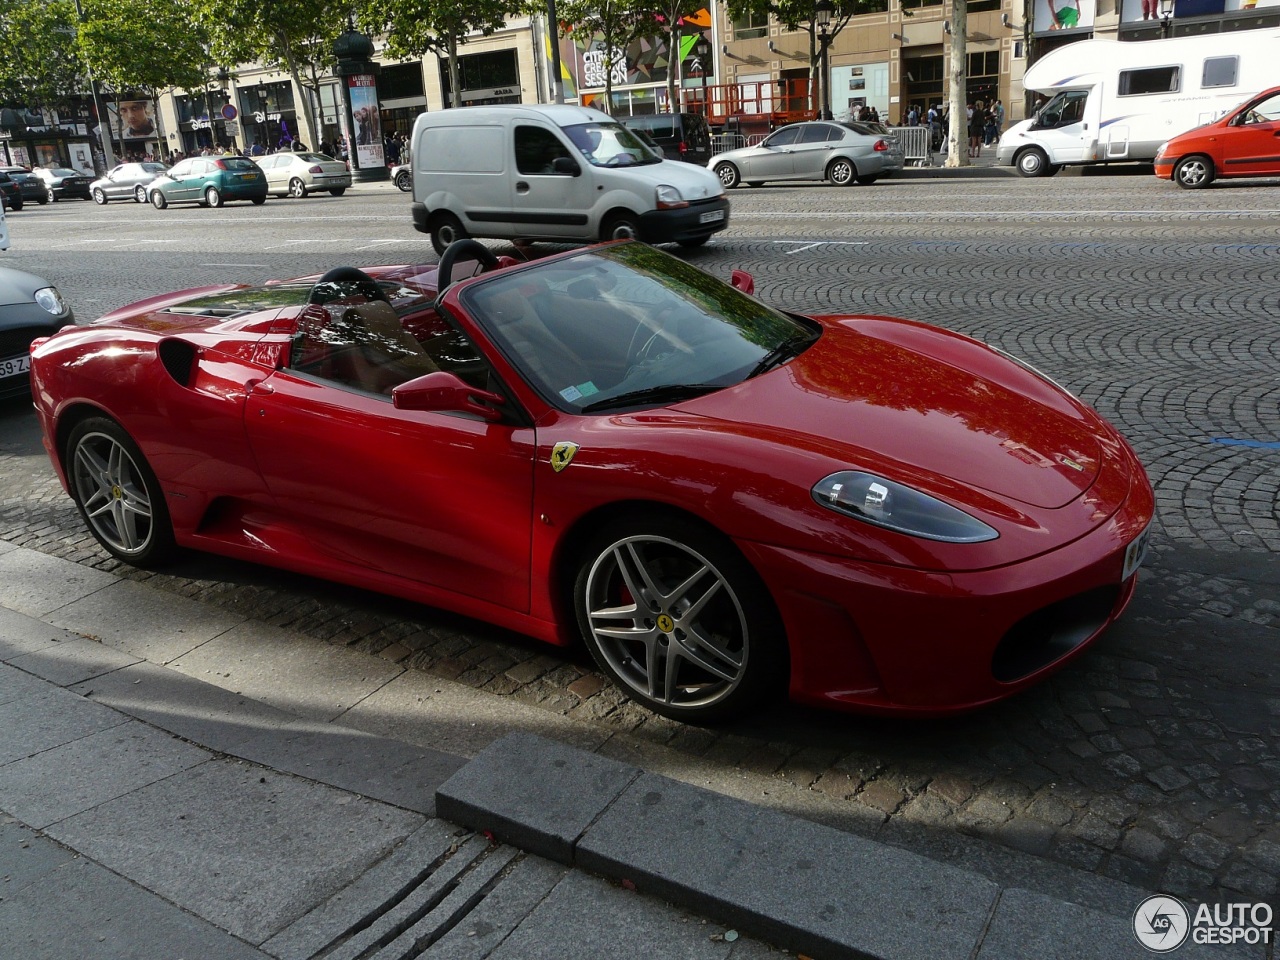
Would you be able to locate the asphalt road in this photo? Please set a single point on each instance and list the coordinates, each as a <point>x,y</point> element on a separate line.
<point>1153,759</point>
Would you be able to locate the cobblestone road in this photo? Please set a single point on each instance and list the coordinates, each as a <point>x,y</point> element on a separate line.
<point>1154,759</point>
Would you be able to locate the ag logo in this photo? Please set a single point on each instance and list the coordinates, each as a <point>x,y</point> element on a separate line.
<point>1161,923</point>
<point>562,455</point>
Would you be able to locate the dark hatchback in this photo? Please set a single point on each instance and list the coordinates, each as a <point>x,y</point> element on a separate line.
<point>30,307</point>
<point>62,183</point>
<point>10,192</point>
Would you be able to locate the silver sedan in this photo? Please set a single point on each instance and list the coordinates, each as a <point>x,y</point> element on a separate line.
<point>297,174</point>
<point>843,153</point>
<point>126,181</point>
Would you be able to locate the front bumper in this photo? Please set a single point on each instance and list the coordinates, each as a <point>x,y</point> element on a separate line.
<point>686,223</point>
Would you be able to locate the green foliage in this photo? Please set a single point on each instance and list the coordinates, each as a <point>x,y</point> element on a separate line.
<point>119,41</point>
<point>415,27</point>
<point>39,66</point>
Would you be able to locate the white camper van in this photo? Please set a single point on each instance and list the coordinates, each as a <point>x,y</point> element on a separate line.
<point>1114,102</point>
<point>554,172</point>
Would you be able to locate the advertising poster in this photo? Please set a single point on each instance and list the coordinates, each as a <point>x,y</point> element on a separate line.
<point>367,118</point>
<point>132,119</point>
<point>47,155</point>
<point>81,159</point>
<point>1134,11</point>
<point>1065,15</point>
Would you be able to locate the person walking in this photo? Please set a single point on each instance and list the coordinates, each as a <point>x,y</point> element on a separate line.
<point>977,120</point>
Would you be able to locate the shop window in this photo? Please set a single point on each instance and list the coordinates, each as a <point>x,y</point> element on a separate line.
<point>400,81</point>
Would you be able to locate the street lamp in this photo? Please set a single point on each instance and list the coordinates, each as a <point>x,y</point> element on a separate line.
<point>701,51</point>
<point>1166,18</point>
<point>822,11</point>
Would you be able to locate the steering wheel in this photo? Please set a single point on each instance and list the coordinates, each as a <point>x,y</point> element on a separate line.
<point>461,248</point>
<point>343,282</point>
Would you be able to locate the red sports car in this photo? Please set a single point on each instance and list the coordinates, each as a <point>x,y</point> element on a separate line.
<point>1244,143</point>
<point>722,500</point>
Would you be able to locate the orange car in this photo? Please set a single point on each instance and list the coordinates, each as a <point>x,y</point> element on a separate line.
<point>1244,143</point>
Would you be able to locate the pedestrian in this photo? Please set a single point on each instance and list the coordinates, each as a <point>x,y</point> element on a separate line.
<point>977,121</point>
<point>998,112</point>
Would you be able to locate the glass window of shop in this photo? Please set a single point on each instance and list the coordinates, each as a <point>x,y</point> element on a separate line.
<point>267,114</point>
<point>492,77</point>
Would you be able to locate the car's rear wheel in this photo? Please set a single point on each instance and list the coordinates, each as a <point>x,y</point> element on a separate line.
<point>338,191</point>
<point>17,204</point>
<point>867,180</point>
<point>404,181</point>
<point>140,194</point>
<point>678,618</point>
<point>43,200</point>
<point>728,175</point>
<point>622,226</point>
<point>157,200</point>
<point>117,493</point>
<point>445,229</point>
<point>99,196</point>
<point>693,242</point>
<point>258,201</point>
<point>842,172</point>
<point>1032,163</point>
<point>213,196</point>
<point>297,188</point>
<point>1193,173</point>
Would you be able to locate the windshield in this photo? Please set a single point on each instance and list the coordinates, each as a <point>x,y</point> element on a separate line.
<point>628,325</point>
<point>609,144</point>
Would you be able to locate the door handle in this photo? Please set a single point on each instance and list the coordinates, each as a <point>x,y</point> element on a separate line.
<point>259,387</point>
<point>522,186</point>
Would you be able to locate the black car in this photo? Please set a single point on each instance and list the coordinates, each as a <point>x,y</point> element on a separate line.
<point>681,136</point>
<point>10,192</point>
<point>30,307</point>
<point>32,187</point>
<point>62,182</point>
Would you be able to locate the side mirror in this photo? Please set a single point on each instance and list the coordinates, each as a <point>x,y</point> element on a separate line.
<point>566,166</point>
<point>447,393</point>
<point>741,280</point>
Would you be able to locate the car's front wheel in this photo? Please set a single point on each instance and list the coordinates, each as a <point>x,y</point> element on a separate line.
<point>677,617</point>
<point>99,196</point>
<point>117,493</point>
<point>297,188</point>
<point>621,226</point>
<point>157,200</point>
<point>842,172</point>
<point>1193,173</point>
<point>1032,163</point>
<point>728,174</point>
<point>446,229</point>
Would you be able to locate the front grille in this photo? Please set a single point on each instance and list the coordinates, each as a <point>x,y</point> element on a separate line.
<point>1051,633</point>
<point>14,342</point>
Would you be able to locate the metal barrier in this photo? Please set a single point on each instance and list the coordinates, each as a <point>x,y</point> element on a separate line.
<point>916,148</point>
<point>724,142</point>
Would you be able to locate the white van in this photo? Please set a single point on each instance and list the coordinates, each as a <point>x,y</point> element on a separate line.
<point>554,172</point>
<point>1117,102</point>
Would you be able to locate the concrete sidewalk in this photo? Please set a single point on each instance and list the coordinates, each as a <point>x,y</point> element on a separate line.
<point>176,781</point>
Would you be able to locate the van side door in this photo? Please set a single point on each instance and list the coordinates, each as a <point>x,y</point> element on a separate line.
<point>546,202</point>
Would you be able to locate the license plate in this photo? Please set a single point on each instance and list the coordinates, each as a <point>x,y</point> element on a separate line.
<point>248,176</point>
<point>712,217</point>
<point>1135,553</point>
<point>14,366</point>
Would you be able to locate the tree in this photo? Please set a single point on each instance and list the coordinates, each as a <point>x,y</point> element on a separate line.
<point>295,36</point>
<point>672,14</point>
<point>417,27</point>
<point>617,24</point>
<point>40,66</point>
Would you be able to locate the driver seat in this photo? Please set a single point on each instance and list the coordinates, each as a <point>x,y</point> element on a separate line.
<point>386,354</point>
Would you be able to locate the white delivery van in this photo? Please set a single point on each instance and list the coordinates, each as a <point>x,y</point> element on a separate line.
<point>554,172</point>
<point>1117,102</point>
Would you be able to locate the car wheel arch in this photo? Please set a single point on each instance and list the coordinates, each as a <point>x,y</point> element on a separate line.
<point>613,216</point>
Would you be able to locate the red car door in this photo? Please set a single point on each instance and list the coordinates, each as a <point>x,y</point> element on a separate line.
<point>1253,147</point>
<point>437,498</point>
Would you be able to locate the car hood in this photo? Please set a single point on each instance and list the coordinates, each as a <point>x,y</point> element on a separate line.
<point>692,181</point>
<point>18,286</point>
<point>917,403</point>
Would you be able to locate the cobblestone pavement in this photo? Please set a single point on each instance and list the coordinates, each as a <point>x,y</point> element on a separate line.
<point>1154,759</point>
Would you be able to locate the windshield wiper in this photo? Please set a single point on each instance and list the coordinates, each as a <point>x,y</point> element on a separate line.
<point>788,348</point>
<point>668,393</point>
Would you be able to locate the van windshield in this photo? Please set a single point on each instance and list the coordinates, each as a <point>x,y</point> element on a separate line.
<point>609,145</point>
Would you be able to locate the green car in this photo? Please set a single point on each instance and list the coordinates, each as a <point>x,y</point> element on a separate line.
<point>210,181</point>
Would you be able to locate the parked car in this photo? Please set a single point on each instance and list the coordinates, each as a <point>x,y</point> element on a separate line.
<point>10,192</point>
<point>63,183</point>
<point>723,501</point>
<point>31,186</point>
<point>402,177</point>
<point>1244,143</point>
<point>126,181</point>
<point>813,150</point>
<point>209,181</point>
<point>297,174</point>
<point>678,136</point>
<point>30,307</point>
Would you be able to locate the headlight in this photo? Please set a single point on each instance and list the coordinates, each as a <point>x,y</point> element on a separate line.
<point>51,300</point>
<point>1163,147</point>
<point>893,506</point>
<point>668,198</point>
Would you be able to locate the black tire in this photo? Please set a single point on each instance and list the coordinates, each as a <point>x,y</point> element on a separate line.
<point>1194,173</point>
<point>621,226</point>
<point>728,175</point>
<point>297,188</point>
<point>693,242</point>
<point>43,200</point>
<point>117,493</point>
<point>1032,163</point>
<point>842,172</point>
<point>338,191</point>
<point>404,181</point>
<point>139,194</point>
<point>755,183</point>
<point>446,229</point>
<point>867,180</point>
<point>212,196</point>
<point>157,200</point>
<point>18,204</point>
<point>258,201</point>
<point>99,197</point>
<point>700,600</point>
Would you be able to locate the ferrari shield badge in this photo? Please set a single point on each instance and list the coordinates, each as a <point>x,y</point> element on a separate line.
<point>562,455</point>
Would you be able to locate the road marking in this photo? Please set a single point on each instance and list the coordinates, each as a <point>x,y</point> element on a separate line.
<point>821,243</point>
<point>260,265</point>
<point>1259,444</point>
